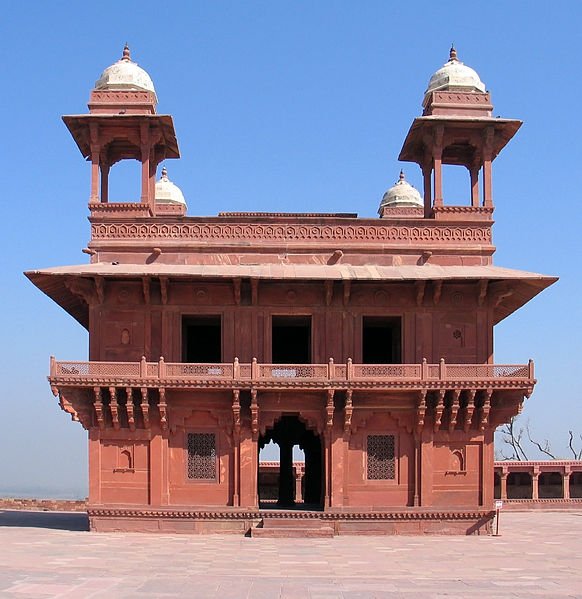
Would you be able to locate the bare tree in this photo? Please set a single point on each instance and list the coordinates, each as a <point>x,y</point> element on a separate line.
<point>545,448</point>
<point>512,443</point>
<point>512,438</point>
<point>577,454</point>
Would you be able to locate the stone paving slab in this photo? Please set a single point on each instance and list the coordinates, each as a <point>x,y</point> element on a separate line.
<point>46,555</point>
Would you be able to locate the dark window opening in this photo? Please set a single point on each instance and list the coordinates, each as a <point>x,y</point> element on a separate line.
<point>291,340</point>
<point>381,340</point>
<point>201,339</point>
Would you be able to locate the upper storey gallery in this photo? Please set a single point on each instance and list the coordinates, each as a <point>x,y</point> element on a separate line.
<point>420,250</point>
<point>456,128</point>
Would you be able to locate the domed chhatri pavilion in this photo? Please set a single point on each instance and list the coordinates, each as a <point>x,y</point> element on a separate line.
<point>367,342</point>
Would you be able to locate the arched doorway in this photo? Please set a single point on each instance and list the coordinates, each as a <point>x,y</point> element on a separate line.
<point>287,432</point>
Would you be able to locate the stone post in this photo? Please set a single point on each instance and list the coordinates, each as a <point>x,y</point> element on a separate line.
<point>566,483</point>
<point>535,484</point>
<point>298,481</point>
<point>504,484</point>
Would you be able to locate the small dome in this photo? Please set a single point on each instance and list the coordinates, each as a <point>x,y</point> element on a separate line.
<point>125,74</point>
<point>401,195</point>
<point>167,192</point>
<point>454,75</point>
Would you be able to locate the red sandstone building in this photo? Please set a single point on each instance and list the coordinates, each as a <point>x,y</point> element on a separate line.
<point>367,342</point>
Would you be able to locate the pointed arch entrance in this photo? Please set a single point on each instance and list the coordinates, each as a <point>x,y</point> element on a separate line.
<point>290,430</point>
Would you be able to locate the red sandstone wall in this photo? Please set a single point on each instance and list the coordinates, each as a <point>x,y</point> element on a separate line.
<point>451,326</point>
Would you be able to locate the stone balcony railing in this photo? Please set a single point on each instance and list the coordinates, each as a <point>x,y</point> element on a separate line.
<point>330,375</point>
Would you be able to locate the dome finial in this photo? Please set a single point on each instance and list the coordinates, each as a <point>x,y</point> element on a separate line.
<point>126,55</point>
<point>164,172</point>
<point>401,177</point>
<point>453,53</point>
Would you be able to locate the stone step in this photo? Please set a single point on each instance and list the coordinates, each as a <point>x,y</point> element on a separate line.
<point>278,528</point>
<point>269,522</point>
<point>289,532</point>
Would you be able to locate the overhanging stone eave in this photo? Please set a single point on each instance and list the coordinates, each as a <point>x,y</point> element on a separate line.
<point>410,151</point>
<point>78,126</point>
<point>58,292</point>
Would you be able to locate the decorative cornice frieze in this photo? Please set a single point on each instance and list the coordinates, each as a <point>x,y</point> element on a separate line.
<point>425,232</point>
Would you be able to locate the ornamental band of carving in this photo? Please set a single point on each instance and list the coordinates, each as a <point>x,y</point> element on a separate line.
<point>237,232</point>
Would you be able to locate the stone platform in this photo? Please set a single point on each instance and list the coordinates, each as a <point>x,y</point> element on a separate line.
<point>411,521</point>
<point>50,555</point>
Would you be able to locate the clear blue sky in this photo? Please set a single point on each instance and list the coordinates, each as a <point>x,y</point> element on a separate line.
<point>295,105</point>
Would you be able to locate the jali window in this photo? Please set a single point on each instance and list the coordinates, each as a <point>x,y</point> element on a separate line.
<point>381,462</point>
<point>202,456</point>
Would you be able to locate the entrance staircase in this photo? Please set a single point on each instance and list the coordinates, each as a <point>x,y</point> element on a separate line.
<point>280,528</point>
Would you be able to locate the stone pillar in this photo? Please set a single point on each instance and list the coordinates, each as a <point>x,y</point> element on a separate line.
<point>535,484</point>
<point>487,466</point>
<point>566,483</point>
<point>248,469</point>
<point>105,183</point>
<point>487,159</point>
<point>94,197</point>
<point>286,483</point>
<point>416,478</point>
<point>95,157</point>
<point>145,163</point>
<point>426,173</point>
<point>94,466</point>
<point>298,481</point>
<point>426,468</point>
<point>158,478</point>
<point>474,172</point>
<point>504,484</point>
<point>438,165</point>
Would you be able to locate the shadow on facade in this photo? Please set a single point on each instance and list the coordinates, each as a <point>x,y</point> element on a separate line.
<point>73,521</point>
<point>290,487</point>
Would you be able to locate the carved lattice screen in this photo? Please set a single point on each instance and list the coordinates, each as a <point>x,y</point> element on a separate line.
<point>381,462</point>
<point>202,456</point>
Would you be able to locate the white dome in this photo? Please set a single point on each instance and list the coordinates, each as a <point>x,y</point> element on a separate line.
<point>454,75</point>
<point>125,74</point>
<point>401,195</point>
<point>167,192</point>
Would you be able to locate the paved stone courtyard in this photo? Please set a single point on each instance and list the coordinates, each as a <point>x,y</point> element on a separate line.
<point>52,555</point>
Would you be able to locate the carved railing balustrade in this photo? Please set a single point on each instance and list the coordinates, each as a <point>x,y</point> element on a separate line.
<point>133,394</point>
<point>235,375</point>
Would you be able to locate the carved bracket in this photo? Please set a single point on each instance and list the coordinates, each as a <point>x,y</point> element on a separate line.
<point>99,408</point>
<point>454,409</point>
<point>469,409</point>
<point>129,409</point>
<point>236,411</point>
<point>485,410</point>
<point>114,407</point>
<point>439,408</point>
<point>420,410</point>
<point>348,412</point>
<point>329,408</point>
<point>145,407</point>
<point>254,415</point>
<point>163,409</point>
